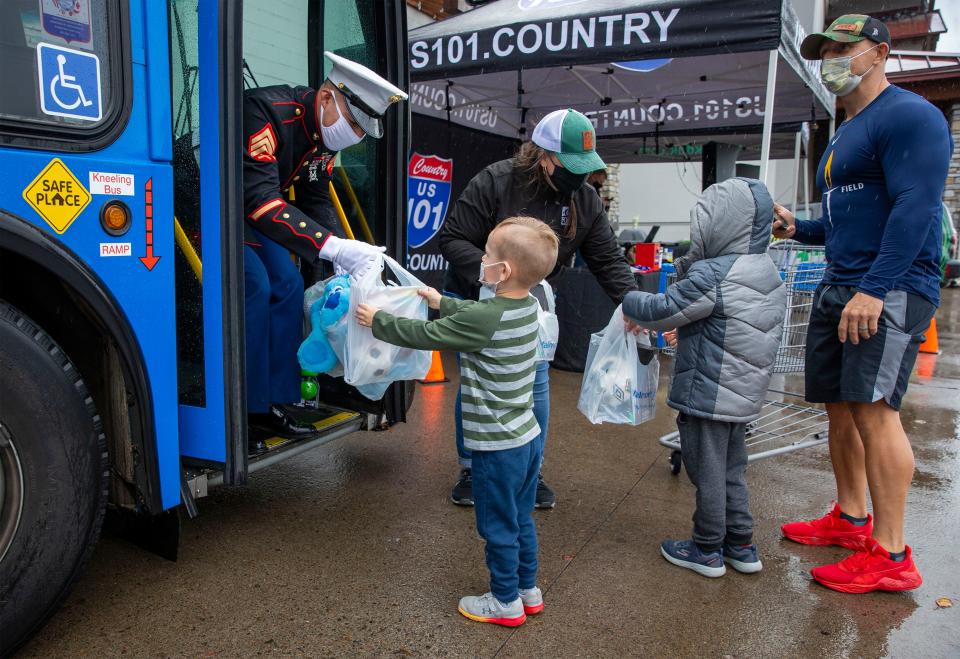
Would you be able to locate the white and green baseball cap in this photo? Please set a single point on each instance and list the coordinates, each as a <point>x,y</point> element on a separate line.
<point>571,136</point>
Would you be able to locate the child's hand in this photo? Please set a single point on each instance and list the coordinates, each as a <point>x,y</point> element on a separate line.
<point>784,222</point>
<point>671,338</point>
<point>431,296</point>
<point>633,328</point>
<point>365,314</point>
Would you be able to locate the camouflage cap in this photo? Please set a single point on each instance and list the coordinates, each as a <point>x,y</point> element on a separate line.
<point>849,28</point>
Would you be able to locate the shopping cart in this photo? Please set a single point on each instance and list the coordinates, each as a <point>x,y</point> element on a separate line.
<point>785,424</point>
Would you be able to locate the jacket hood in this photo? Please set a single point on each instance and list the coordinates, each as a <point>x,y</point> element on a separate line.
<point>731,217</point>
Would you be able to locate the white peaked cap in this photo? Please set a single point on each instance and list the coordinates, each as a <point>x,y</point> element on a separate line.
<point>367,94</point>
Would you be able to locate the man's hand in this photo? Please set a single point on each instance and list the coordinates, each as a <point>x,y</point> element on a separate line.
<point>784,223</point>
<point>354,256</point>
<point>859,318</point>
<point>365,314</point>
<point>431,295</point>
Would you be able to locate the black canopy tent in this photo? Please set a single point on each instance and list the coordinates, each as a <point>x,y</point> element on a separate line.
<point>657,77</point>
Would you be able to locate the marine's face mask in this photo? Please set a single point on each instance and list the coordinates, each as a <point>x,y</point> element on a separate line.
<point>340,134</point>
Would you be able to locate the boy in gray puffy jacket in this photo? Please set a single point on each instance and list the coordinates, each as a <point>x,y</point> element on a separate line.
<point>728,306</point>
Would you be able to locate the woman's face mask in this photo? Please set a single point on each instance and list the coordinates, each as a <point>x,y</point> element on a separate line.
<point>837,75</point>
<point>340,135</point>
<point>565,181</point>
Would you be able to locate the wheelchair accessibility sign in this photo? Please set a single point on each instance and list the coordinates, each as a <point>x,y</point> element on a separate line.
<point>69,82</point>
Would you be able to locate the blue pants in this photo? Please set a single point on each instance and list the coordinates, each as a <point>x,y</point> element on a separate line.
<point>274,325</point>
<point>541,410</point>
<point>504,492</point>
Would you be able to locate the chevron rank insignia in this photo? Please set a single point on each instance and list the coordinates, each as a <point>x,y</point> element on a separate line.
<point>263,144</point>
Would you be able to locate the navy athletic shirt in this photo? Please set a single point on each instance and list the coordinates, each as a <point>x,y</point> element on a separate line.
<point>882,178</point>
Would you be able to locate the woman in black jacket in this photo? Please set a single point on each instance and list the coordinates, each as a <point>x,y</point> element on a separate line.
<point>546,180</point>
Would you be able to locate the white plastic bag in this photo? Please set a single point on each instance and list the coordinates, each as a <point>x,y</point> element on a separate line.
<point>549,334</point>
<point>549,325</point>
<point>368,363</point>
<point>617,387</point>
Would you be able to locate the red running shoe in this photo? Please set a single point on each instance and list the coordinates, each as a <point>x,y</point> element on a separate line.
<point>869,569</point>
<point>831,529</point>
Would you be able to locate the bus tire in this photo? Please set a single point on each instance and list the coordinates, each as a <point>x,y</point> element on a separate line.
<point>48,416</point>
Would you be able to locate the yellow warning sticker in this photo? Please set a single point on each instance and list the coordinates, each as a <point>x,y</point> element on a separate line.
<point>57,195</point>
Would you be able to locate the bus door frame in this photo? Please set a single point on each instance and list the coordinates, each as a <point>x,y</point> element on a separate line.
<point>217,432</point>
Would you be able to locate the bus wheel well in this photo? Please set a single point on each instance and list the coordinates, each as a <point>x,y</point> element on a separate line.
<point>56,306</point>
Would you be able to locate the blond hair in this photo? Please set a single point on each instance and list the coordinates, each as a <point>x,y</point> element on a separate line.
<point>529,245</point>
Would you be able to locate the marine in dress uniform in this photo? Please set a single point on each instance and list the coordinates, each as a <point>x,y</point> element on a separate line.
<point>292,136</point>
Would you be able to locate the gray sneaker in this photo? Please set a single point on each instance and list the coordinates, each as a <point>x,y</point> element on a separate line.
<point>686,553</point>
<point>742,558</point>
<point>487,608</point>
<point>532,599</point>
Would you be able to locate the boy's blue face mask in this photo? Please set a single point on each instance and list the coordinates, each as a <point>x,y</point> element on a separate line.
<point>490,285</point>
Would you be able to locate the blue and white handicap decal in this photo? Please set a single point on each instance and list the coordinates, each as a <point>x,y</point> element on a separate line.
<point>69,82</point>
<point>428,195</point>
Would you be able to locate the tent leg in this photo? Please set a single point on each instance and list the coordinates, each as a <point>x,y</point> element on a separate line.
<point>768,115</point>
<point>806,186</point>
<point>796,173</point>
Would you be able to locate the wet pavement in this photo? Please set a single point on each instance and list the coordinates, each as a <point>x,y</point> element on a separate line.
<point>354,549</point>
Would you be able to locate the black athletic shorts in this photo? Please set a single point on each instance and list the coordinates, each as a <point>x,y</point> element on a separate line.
<point>878,367</point>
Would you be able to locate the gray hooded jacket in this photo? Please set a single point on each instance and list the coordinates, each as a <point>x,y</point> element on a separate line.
<point>728,307</point>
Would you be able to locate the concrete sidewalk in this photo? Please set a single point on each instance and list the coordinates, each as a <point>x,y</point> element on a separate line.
<point>355,550</point>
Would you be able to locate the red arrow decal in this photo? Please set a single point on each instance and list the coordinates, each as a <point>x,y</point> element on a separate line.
<point>149,260</point>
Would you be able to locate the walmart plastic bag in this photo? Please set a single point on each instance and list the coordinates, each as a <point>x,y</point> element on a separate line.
<point>549,325</point>
<point>372,365</point>
<point>549,334</point>
<point>617,387</point>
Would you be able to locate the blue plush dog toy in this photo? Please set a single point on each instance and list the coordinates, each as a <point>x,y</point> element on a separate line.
<point>316,354</point>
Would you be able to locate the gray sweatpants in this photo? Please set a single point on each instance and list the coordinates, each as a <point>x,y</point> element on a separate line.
<point>715,457</point>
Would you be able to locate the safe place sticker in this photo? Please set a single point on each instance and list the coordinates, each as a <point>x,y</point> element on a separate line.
<point>57,195</point>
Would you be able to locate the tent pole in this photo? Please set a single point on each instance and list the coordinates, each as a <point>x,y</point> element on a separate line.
<point>806,186</point>
<point>768,115</point>
<point>796,173</point>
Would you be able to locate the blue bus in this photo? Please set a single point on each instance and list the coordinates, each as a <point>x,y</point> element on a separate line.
<point>121,273</point>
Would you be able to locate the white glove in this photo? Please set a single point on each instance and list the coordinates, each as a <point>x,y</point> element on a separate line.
<point>354,256</point>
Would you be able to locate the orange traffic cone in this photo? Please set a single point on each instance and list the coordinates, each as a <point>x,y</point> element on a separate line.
<point>930,344</point>
<point>926,364</point>
<point>435,374</point>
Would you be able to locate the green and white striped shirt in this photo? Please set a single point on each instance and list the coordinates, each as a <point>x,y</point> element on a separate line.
<point>497,339</point>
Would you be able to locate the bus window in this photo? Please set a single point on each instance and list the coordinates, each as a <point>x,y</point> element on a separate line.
<point>81,90</point>
<point>275,42</point>
<point>349,29</point>
<point>185,96</point>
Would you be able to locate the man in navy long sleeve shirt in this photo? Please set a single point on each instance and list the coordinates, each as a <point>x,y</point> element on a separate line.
<point>882,178</point>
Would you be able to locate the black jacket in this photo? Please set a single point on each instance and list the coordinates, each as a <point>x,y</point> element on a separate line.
<point>283,149</point>
<point>496,194</point>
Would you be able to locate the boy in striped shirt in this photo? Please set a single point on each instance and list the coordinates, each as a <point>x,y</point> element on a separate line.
<point>497,338</point>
